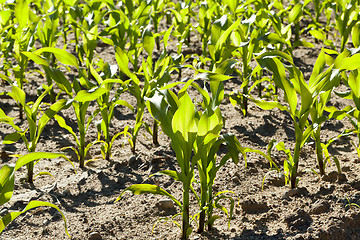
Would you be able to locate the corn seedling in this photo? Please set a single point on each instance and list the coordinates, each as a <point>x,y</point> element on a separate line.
<point>181,21</point>
<point>346,16</point>
<point>79,104</point>
<point>191,130</point>
<point>106,102</point>
<point>23,41</point>
<point>36,126</point>
<point>293,86</point>
<point>155,75</point>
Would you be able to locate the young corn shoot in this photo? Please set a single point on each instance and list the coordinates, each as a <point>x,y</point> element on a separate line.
<point>36,126</point>
<point>294,86</point>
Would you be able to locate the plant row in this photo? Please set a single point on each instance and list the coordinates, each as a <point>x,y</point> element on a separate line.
<point>148,40</point>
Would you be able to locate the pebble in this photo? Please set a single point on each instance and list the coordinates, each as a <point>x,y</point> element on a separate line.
<point>341,178</point>
<point>66,192</point>
<point>253,206</point>
<point>290,193</point>
<point>276,179</point>
<point>95,236</point>
<point>320,206</point>
<point>132,160</point>
<point>165,204</point>
<point>330,177</point>
<point>296,192</point>
<point>4,211</point>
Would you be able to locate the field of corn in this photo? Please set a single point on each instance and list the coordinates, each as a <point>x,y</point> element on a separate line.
<point>187,119</point>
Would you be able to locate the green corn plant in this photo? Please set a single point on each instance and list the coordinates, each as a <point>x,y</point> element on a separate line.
<point>295,15</point>
<point>220,47</point>
<point>245,39</point>
<point>106,103</point>
<point>6,40</point>
<point>72,89</point>
<point>182,13</point>
<point>207,143</point>
<point>47,32</point>
<point>319,7</point>
<point>353,114</point>
<point>346,16</point>
<point>206,12</point>
<point>36,126</point>
<point>80,99</point>
<point>157,13</point>
<point>7,179</point>
<point>23,41</point>
<point>137,17</point>
<point>116,26</point>
<point>63,10</point>
<point>85,20</point>
<point>80,106</point>
<point>191,130</point>
<point>86,49</point>
<point>154,73</point>
<point>317,112</point>
<point>180,126</point>
<point>318,116</point>
<point>294,86</point>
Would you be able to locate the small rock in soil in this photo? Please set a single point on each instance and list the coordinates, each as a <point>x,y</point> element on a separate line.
<point>253,206</point>
<point>276,179</point>
<point>165,204</point>
<point>330,177</point>
<point>341,178</point>
<point>132,160</point>
<point>320,206</point>
<point>119,165</point>
<point>298,220</point>
<point>95,236</point>
<point>297,192</point>
<point>4,211</point>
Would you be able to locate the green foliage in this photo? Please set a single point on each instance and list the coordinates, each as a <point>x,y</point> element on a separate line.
<point>295,88</point>
<point>251,42</point>
<point>36,126</point>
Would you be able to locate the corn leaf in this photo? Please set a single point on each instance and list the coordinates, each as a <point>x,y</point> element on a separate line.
<point>50,113</point>
<point>295,13</point>
<point>12,138</point>
<point>36,58</point>
<point>148,188</point>
<point>62,55</point>
<point>6,183</point>
<point>22,13</point>
<point>90,95</point>
<point>350,63</point>
<point>184,118</point>
<point>33,204</point>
